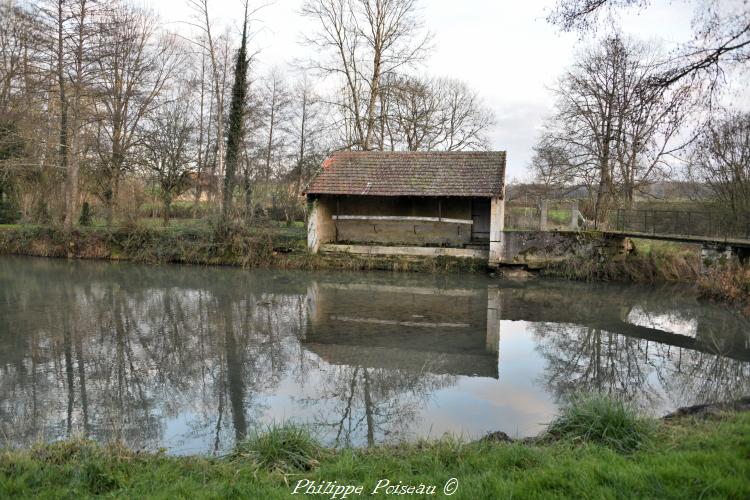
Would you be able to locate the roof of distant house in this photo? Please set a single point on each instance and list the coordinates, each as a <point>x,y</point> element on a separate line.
<point>386,173</point>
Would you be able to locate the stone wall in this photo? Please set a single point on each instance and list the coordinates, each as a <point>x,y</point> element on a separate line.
<point>535,249</point>
<point>404,232</point>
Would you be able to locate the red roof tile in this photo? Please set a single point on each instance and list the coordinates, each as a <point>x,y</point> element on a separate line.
<point>385,173</point>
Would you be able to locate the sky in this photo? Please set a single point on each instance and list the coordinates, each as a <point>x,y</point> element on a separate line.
<point>504,49</point>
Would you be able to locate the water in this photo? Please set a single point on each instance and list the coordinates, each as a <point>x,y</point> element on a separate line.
<point>190,358</point>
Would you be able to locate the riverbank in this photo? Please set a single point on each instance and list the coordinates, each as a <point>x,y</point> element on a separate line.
<point>284,247</point>
<point>685,457</point>
<point>652,263</point>
<point>270,247</point>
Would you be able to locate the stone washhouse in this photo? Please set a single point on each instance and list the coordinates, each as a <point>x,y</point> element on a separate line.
<point>409,203</point>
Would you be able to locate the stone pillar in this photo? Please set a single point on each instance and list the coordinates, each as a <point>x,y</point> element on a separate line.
<point>497,225</point>
<point>313,243</point>
<point>543,215</point>
<point>320,225</point>
<point>574,217</point>
<point>712,254</point>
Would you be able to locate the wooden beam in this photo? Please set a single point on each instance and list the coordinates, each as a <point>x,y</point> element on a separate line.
<point>404,218</point>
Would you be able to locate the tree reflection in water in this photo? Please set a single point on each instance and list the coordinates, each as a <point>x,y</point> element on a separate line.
<point>193,359</point>
<point>658,376</point>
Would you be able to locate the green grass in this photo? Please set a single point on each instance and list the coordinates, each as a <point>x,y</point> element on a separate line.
<point>596,418</point>
<point>684,459</point>
<point>286,447</point>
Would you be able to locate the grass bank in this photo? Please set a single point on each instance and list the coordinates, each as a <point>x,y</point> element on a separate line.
<point>728,283</point>
<point>621,456</point>
<point>279,247</point>
<point>648,262</point>
<point>652,262</point>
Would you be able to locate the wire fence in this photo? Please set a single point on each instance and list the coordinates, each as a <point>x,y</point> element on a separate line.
<point>548,217</point>
<point>698,223</point>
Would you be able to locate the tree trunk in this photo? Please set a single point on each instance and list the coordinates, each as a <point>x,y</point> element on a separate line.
<point>63,137</point>
<point>166,212</point>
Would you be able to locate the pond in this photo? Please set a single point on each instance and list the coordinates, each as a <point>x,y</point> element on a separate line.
<point>191,359</point>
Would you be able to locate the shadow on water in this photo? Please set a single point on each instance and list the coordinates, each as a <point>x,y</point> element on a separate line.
<point>192,358</point>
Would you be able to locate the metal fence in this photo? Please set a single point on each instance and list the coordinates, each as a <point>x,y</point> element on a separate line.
<point>546,216</point>
<point>679,222</point>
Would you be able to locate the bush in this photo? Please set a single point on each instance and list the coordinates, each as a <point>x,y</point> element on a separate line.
<point>9,213</point>
<point>178,210</point>
<point>85,218</point>
<point>645,264</point>
<point>41,212</point>
<point>284,447</point>
<point>729,282</point>
<point>597,418</point>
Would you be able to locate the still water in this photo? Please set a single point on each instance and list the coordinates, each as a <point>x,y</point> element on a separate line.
<point>191,359</point>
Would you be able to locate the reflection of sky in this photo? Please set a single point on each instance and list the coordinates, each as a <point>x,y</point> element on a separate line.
<point>474,406</point>
<point>513,404</point>
<point>672,323</point>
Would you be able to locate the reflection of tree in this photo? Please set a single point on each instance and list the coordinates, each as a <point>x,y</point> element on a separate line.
<point>702,377</point>
<point>114,355</point>
<point>656,376</point>
<point>368,405</point>
<point>593,360</point>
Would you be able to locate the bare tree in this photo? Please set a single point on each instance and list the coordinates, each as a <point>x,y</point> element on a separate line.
<point>277,99</point>
<point>611,127</point>
<point>306,128</point>
<point>552,167</point>
<point>365,40</point>
<point>721,160</point>
<point>436,114</point>
<point>135,63</point>
<point>169,150</point>
<point>722,34</point>
<point>218,74</point>
<point>80,77</point>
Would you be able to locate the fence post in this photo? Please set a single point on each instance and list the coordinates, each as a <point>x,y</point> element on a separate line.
<point>645,221</point>
<point>543,216</point>
<point>574,217</point>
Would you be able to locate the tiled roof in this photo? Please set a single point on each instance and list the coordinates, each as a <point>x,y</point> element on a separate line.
<point>379,173</point>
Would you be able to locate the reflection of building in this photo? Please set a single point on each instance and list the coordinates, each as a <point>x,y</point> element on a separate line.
<point>443,331</point>
<point>409,203</point>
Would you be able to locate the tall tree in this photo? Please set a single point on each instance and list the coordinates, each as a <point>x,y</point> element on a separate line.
<point>80,77</point>
<point>364,41</point>
<point>306,128</point>
<point>213,47</point>
<point>168,144</point>
<point>236,122</point>
<point>436,114</point>
<point>135,64</point>
<point>276,97</point>
<point>720,160</point>
<point>612,130</point>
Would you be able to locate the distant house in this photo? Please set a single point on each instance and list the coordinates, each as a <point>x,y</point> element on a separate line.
<point>409,203</point>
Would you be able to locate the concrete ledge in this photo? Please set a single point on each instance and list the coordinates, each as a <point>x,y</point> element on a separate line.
<point>402,218</point>
<point>413,251</point>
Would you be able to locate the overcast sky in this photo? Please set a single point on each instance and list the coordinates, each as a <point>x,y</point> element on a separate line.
<point>505,49</point>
